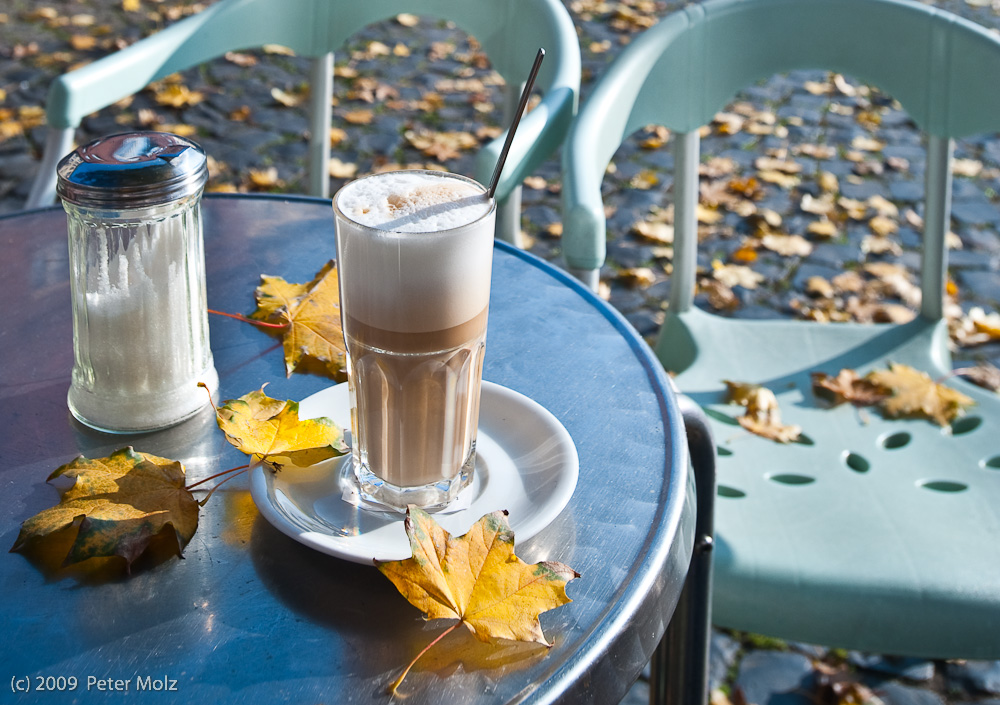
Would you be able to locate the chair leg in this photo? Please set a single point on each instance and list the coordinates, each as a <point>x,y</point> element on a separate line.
<point>58,143</point>
<point>509,219</point>
<point>679,666</point>
<point>320,116</point>
<point>590,277</point>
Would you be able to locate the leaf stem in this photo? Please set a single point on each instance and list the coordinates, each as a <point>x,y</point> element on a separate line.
<point>218,474</point>
<point>399,681</point>
<point>207,497</point>
<point>238,317</point>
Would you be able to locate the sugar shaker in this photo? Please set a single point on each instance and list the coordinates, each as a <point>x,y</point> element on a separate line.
<point>137,281</point>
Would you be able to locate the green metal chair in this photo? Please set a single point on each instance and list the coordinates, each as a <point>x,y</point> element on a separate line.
<point>510,33</point>
<point>880,536</point>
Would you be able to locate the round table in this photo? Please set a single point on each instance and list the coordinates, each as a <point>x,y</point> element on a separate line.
<point>250,615</point>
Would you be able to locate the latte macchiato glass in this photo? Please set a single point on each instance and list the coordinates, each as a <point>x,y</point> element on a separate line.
<point>414,257</point>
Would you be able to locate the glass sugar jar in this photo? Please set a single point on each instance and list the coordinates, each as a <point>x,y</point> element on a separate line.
<point>137,281</point>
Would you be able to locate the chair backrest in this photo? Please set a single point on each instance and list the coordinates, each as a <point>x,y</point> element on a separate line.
<point>510,33</point>
<point>681,72</point>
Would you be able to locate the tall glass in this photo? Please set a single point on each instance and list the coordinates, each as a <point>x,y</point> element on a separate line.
<point>414,258</point>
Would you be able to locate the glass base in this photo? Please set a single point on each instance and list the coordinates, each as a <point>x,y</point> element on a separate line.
<point>142,413</point>
<point>436,496</point>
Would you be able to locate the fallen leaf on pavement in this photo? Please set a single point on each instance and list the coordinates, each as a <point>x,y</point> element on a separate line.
<point>736,275</point>
<point>787,245</point>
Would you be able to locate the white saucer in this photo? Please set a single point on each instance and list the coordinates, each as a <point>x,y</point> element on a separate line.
<point>526,463</point>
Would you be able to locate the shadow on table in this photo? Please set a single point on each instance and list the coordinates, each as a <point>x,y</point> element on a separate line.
<point>366,611</point>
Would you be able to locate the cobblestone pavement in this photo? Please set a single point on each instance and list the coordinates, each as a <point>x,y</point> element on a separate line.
<point>839,187</point>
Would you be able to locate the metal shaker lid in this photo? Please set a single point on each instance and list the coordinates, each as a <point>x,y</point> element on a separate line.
<point>132,170</point>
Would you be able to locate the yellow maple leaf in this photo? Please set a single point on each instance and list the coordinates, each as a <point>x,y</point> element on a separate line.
<point>476,579</point>
<point>112,507</point>
<point>270,430</point>
<point>914,394</point>
<point>311,312</point>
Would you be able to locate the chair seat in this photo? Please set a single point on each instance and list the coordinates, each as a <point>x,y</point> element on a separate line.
<point>846,539</point>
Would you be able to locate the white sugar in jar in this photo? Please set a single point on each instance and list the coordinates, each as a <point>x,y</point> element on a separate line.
<point>137,277</point>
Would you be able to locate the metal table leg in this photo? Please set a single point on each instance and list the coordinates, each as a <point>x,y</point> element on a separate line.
<point>679,667</point>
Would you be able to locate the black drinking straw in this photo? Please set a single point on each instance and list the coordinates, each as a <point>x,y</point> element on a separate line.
<point>517,118</point>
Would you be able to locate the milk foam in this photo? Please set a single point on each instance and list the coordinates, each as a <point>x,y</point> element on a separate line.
<point>413,202</point>
<point>426,266</point>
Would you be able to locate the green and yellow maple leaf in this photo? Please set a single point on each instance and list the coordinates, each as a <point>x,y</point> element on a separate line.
<point>114,507</point>
<point>270,430</point>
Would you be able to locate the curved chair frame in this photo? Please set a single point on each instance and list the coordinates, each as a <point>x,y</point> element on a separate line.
<point>882,536</point>
<point>510,33</point>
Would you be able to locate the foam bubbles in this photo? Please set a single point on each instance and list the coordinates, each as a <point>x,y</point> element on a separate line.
<point>413,202</point>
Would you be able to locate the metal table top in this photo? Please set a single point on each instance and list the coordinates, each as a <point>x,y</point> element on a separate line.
<point>249,615</point>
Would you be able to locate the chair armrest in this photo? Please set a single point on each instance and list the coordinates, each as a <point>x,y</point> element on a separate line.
<point>539,134</point>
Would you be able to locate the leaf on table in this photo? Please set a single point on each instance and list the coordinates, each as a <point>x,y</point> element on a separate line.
<point>313,337</point>
<point>114,507</point>
<point>847,386</point>
<point>914,394</point>
<point>271,430</point>
<point>477,579</point>
<point>763,415</point>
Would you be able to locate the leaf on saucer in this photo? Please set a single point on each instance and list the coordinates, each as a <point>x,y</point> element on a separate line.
<point>113,507</point>
<point>914,394</point>
<point>477,579</point>
<point>270,430</point>
<point>313,337</point>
